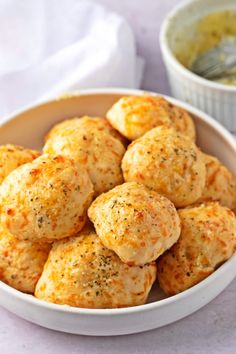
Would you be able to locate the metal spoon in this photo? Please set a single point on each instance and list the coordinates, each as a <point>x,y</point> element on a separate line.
<point>216,62</point>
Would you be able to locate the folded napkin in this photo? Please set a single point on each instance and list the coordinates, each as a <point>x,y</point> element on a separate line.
<point>51,47</point>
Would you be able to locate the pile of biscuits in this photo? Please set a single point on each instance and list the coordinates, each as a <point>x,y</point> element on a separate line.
<point>112,205</point>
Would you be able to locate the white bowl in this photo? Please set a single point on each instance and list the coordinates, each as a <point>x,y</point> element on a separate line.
<point>216,99</point>
<point>28,128</point>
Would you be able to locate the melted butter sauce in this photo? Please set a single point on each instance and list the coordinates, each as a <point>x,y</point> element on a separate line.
<point>204,35</point>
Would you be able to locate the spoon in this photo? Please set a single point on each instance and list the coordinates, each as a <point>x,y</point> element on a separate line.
<point>216,62</point>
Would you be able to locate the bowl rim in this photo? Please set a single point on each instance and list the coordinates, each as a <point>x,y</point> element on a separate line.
<point>167,52</point>
<point>125,91</point>
<point>31,300</point>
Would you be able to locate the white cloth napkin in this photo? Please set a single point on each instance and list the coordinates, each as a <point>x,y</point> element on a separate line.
<point>48,47</point>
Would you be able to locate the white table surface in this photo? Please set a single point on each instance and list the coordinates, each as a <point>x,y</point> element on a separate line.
<point>211,330</point>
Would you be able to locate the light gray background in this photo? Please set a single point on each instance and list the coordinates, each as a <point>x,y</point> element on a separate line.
<point>212,330</point>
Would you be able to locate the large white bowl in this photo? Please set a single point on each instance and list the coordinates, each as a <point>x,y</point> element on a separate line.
<point>28,128</point>
<point>216,99</point>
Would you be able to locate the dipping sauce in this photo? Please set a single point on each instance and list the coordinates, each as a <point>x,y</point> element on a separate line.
<point>206,34</point>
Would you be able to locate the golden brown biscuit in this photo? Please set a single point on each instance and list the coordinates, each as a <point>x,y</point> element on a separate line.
<point>91,142</point>
<point>182,122</point>
<point>220,183</point>
<point>134,222</point>
<point>208,238</point>
<point>167,162</point>
<point>21,262</point>
<point>66,127</point>
<point>133,116</point>
<point>13,156</point>
<point>46,200</point>
<point>81,272</point>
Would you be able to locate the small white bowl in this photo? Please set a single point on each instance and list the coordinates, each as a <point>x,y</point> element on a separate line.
<point>216,99</point>
<point>28,128</point>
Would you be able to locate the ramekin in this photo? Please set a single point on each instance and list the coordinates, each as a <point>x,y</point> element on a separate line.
<point>218,100</point>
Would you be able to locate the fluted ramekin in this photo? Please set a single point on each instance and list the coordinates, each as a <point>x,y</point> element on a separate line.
<point>218,100</point>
